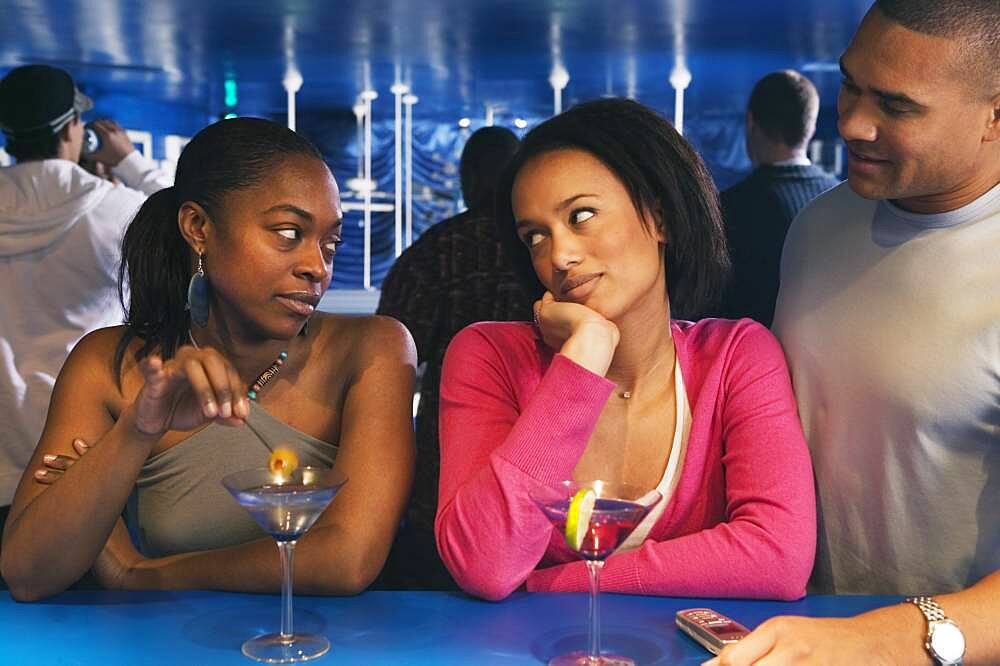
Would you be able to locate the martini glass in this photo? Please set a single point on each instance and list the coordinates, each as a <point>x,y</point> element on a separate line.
<point>285,506</point>
<point>618,509</point>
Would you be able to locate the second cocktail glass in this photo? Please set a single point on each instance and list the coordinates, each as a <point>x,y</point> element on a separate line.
<point>599,529</point>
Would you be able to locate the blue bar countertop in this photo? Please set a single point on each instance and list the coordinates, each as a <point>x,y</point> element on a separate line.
<point>373,628</point>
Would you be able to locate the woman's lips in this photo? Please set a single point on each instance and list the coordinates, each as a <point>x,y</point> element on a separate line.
<point>298,306</point>
<point>579,286</point>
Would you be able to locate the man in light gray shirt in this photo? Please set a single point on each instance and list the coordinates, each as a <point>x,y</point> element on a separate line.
<point>889,312</point>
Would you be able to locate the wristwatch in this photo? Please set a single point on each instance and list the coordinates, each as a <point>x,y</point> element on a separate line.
<point>945,641</point>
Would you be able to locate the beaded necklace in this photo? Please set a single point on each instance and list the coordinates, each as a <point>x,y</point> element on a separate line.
<point>263,378</point>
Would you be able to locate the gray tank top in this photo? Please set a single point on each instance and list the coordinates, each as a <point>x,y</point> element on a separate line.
<point>179,504</point>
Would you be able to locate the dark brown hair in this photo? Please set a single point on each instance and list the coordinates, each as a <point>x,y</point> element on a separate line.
<point>664,176</point>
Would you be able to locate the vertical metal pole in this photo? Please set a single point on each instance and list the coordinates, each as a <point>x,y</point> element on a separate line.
<point>292,83</point>
<point>398,90</point>
<point>359,114</point>
<point>680,79</point>
<point>368,96</point>
<point>409,101</point>
<point>558,79</point>
<point>679,110</point>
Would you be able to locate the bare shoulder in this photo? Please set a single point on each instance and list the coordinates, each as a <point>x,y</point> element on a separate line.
<point>369,338</point>
<point>96,350</point>
<point>101,340</point>
<point>92,362</point>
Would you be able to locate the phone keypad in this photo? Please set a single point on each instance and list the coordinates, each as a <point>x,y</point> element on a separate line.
<point>707,618</point>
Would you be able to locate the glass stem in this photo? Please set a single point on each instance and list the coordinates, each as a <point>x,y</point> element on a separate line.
<point>287,551</point>
<point>594,649</point>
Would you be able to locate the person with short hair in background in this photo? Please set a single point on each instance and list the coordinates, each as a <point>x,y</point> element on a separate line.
<point>60,235</point>
<point>455,274</point>
<point>780,122</point>
<point>889,313</point>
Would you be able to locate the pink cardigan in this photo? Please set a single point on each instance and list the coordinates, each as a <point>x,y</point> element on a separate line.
<point>741,522</point>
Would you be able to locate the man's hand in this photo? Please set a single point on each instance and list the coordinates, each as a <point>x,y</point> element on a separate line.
<point>115,144</point>
<point>884,636</point>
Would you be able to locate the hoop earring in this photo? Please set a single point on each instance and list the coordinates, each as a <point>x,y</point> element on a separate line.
<point>197,300</point>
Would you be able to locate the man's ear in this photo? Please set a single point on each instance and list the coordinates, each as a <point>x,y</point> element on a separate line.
<point>993,126</point>
<point>64,132</point>
<point>195,225</point>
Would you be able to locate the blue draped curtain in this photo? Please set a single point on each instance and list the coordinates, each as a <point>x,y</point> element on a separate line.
<point>436,192</point>
<point>718,137</point>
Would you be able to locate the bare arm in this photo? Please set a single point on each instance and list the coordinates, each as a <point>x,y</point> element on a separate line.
<point>56,531</point>
<point>890,635</point>
<point>119,155</point>
<point>346,548</point>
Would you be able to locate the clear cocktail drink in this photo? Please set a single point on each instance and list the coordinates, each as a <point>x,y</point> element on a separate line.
<point>285,506</point>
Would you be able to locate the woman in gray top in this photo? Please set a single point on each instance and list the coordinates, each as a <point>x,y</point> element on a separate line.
<point>164,400</point>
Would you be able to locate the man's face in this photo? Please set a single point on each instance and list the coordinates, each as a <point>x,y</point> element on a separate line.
<point>914,127</point>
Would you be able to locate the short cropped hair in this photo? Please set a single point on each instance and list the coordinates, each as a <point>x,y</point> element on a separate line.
<point>665,179</point>
<point>975,22</point>
<point>784,106</point>
<point>484,158</point>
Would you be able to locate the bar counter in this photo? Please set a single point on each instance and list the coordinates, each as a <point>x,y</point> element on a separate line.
<point>374,628</point>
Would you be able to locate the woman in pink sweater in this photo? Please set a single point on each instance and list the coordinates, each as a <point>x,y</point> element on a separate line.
<point>615,219</point>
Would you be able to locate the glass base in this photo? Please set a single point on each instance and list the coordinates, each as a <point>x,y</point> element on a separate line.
<point>581,659</point>
<point>278,649</point>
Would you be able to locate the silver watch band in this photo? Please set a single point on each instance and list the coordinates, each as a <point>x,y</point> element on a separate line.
<point>945,641</point>
<point>930,608</point>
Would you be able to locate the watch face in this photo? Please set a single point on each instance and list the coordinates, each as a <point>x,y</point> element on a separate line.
<point>946,641</point>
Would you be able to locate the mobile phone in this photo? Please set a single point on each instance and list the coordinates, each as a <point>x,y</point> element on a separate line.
<point>711,629</point>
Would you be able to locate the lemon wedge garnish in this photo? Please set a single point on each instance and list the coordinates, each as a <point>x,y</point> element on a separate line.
<point>578,517</point>
<point>283,461</point>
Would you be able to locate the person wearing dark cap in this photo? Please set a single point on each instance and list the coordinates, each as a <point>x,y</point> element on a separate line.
<point>60,230</point>
<point>455,274</point>
<point>780,121</point>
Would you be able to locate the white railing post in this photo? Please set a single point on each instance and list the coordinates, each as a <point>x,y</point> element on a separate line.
<point>680,79</point>
<point>292,83</point>
<point>367,96</point>
<point>399,90</point>
<point>558,79</point>
<point>409,100</point>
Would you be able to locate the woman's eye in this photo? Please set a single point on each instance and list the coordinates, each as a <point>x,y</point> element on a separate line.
<point>331,246</point>
<point>581,215</point>
<point>531,239</point>
<point>290,234</point>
